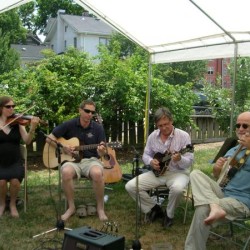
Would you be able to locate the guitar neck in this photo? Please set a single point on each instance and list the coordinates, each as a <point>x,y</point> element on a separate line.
<point>86,147</point>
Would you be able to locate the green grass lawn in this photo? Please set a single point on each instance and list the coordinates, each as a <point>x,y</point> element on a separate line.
<point>45,207</point>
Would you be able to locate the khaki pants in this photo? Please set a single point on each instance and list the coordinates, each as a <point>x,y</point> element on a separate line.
<point>175,181</point>
<point>206,191</point>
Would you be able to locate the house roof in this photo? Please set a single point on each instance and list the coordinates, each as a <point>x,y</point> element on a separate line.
<point>81,24</point>
<point>29,52</point>
<point>86,24</point>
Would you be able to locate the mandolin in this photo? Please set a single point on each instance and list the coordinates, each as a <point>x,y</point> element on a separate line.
<point>165,158</point>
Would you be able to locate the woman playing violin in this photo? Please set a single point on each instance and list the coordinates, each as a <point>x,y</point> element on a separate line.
<point>11,162</point>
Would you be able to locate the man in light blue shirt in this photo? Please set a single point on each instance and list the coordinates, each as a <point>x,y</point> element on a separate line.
<point>229,197</point>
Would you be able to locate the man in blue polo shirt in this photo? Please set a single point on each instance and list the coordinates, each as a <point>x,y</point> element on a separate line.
<point>88,132</point>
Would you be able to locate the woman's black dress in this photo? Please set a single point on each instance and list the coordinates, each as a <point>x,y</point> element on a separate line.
<point>11,162</point>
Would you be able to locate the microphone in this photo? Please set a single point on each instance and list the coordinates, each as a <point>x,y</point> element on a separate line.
<point>51,139</point>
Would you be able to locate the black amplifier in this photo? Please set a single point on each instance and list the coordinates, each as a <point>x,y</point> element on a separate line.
<point>90,239</point>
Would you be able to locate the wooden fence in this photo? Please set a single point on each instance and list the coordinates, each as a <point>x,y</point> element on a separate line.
<point>206,130</point>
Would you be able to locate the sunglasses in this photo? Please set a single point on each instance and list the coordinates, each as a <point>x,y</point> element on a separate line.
<point>243,125</point>
<point>89,111</point>
<point>9,106</point>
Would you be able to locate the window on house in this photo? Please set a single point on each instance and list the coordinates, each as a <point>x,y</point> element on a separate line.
<point>75,42</point>
<point>66,27</point>
<point>103,41</point>
<point>52,46</point>
<point>65,44</point>
<point>210,70</point>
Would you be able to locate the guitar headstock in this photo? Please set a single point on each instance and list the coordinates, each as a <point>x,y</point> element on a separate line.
<point>189,148</point>
<point>97,118</point>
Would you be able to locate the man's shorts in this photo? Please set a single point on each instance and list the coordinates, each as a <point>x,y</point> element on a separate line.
<point>83,167</point>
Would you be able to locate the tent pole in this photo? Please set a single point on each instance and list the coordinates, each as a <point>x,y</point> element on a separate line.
<point>233,88</point>
<point>147,105</point>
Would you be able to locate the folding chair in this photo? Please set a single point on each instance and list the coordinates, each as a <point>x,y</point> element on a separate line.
<point>162,192</point>
<point>24,154</point>
<point>237,233</point>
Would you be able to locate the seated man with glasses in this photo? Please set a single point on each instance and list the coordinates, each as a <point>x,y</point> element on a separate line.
<point>216,201</point>
<point>88,164</point>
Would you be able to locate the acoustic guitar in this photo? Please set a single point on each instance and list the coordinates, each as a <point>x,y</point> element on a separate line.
<point>50,157</point>
<point>112,170</point>
<point>165,158</point>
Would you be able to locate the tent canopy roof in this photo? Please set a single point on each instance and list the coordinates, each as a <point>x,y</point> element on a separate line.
<point>175,30</point>
<point>179,30</point>
<point>10,4</point>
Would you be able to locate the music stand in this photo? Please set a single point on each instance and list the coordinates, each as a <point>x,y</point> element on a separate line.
<point>136,243</point>
<point>59,223</point>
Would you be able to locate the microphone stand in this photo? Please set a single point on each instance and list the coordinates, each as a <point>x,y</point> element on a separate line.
<point>136,243</point>
<point>59,223</point>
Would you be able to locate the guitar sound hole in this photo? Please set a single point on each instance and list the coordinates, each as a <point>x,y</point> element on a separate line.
<point>106,157</point>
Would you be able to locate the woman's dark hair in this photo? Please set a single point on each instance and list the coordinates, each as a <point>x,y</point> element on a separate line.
<point>162,112</point>
<point>3,101</point>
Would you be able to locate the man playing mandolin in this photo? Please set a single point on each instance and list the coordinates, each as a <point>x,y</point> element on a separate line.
<point>169,153</point>
<point>88,132</point>
<point>212,200</point>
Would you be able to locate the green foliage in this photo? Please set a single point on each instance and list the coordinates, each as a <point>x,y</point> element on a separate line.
<point>242,92</point>
<point>57,85</point>
<point>180,73</point>
<point>118,85</point>
<point>9,58</point>
<point>11,25</point>
<point>220,101</point>
<point>49,8</point>
<point>179,99</point>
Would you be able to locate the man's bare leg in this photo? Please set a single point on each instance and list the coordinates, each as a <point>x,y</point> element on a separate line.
<point>98,186</point>
<point>216,213</point>
<point>68,187</point>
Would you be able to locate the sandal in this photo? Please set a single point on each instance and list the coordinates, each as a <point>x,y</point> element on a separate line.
<point>91,209</point>
<point>81,211</point>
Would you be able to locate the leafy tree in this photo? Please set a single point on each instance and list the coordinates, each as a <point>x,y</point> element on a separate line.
<point>181,72</point>
<point>220,101</point>
<point>9,58</point>
<point>11,24</point>
<point>35,15</point>
<point>27,15</point>
<point>242,92</point>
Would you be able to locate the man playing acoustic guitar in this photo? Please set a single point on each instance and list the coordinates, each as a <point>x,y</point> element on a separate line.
<point>216,201</point>
<point>89,133</point>
<point>169,153</point>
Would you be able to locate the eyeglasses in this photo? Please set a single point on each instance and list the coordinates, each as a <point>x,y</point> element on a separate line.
<point>9,106</point>
<point>89,111</point>
<point>243,125</point>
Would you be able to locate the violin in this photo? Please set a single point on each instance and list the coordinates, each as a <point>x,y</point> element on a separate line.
<point>22,120</point>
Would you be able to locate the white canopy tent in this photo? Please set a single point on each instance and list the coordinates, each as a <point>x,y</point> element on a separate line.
<point>175,30</point>
<point>10,4</point>
<point>180,30</point>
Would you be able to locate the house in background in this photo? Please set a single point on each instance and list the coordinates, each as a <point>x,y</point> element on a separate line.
<point>30,51</point>
<point>218,69</point>
<point>84,33</point>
